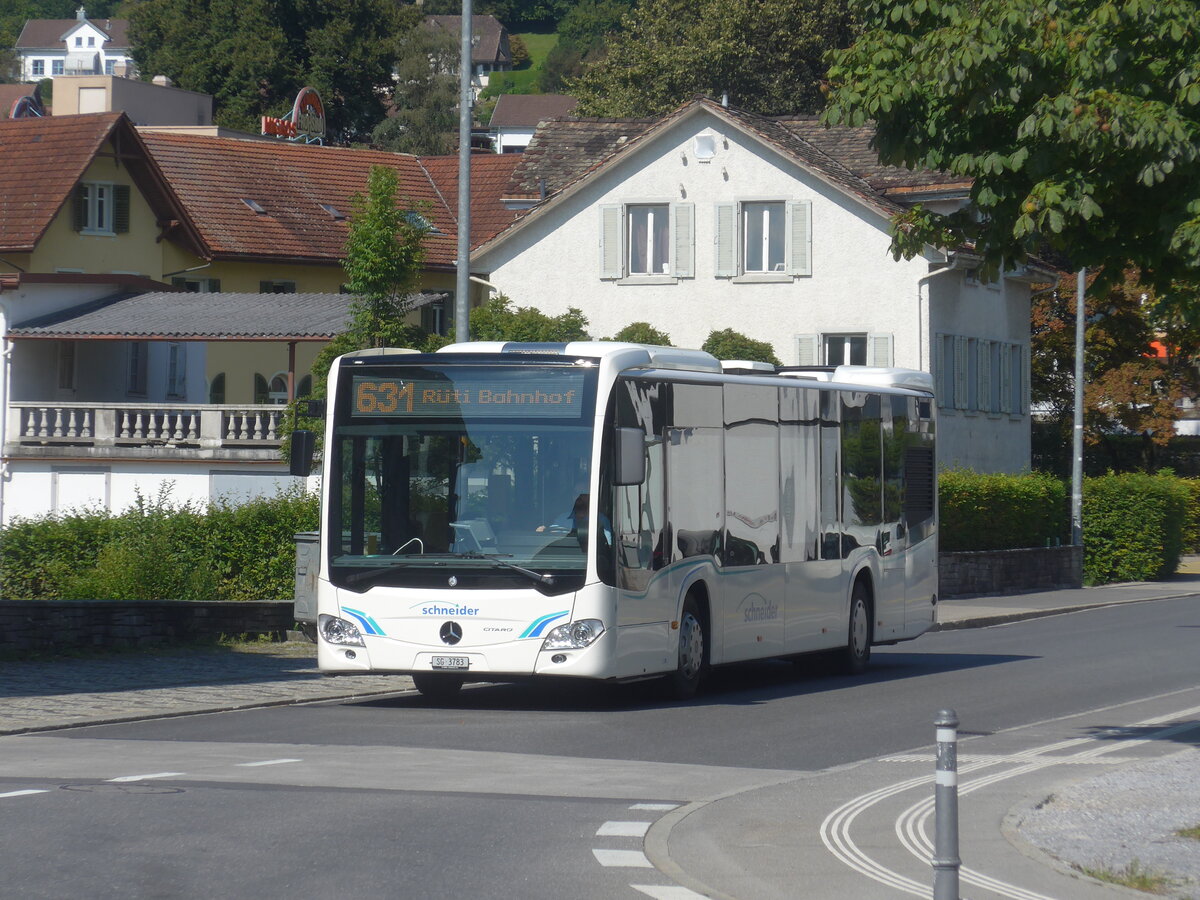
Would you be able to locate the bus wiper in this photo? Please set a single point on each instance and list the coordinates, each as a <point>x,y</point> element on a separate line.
<point>369,574</point>
<point>547,580</point>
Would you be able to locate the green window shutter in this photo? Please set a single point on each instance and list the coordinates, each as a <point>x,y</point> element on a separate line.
<point>726,240</point>
<point>799,237</point>
<point>611,255</point>
<point>80,207</point>
<point>121,208</point>
<point>683,249</point>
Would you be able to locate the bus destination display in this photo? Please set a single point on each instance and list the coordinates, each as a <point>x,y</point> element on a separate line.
<point>496,393</point>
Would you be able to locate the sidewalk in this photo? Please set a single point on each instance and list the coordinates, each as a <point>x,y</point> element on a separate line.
<point>715,845</point>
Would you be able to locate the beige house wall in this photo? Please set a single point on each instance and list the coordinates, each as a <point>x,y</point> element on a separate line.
<point>144,102</point>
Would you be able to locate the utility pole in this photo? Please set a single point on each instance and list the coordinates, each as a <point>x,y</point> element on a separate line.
<point>466,98</point>
<point>1077,435</point>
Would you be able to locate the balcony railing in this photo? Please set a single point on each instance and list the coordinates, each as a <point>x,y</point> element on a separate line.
<point>205,426</point>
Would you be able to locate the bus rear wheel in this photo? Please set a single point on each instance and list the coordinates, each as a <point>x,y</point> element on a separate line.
<point>857,653</point>
<point>685,680</point>
<point>436,686</point>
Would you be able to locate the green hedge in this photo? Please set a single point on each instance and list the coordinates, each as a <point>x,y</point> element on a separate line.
<point>1000,512</point>
<point>159,550</point>
<point>1133,526</point>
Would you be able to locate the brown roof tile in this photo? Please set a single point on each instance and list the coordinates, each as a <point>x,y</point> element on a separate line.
<point>490,176</point>
<point>490,37</point>
<point>516,110</point>
<point>40,161</point>
<point>562,149</point>
<point>44,34</point>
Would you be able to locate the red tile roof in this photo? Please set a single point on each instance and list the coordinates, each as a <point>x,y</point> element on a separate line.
<point>490,175</point>
<point>292,183</point>
<point>40,161</point>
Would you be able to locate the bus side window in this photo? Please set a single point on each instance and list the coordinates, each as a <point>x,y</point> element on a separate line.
<point>639,524</point>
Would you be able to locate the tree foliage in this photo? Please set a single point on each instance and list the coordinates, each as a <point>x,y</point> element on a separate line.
<point>730,344</point>
<point>1139,362</point>
<point>422,117</point>
<point>253,56</point>
<point>498,320</point>
<point>766,54</point>
<point>643,333</point>
<point>1078,122</point>
<point>582,40</point>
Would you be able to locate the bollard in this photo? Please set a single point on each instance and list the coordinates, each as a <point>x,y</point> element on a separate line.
<point>945,848</point>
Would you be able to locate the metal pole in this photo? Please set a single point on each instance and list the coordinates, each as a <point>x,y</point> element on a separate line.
<point>466,98</point>
<point>1077,435</point>
<point>945,848</point>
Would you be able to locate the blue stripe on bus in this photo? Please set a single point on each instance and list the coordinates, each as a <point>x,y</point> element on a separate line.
<point>535,629</point>
<point>368,624</point>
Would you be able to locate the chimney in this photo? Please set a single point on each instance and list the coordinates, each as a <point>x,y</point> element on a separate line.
<point>81,14</point>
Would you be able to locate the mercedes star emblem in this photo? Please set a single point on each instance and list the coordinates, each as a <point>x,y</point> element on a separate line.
<point>451,633</point>
<point>452,580</point>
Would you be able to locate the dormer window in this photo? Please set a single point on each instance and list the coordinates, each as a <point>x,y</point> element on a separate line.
<point>78,40</point>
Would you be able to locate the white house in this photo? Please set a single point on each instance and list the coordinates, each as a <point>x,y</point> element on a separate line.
<point>516,116</point>
<point>713,218</point>
<point>50,47</point>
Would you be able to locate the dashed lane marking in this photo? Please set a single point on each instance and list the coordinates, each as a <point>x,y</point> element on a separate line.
<point>667,892</point>
<point>22,793</point>
<point>144,777</point>
<point>658,807</point>
<point>623,829</point>
<point>267,762</point>
<point>632,859</point>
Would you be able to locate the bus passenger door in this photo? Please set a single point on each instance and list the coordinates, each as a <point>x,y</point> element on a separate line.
<point>645,604</point>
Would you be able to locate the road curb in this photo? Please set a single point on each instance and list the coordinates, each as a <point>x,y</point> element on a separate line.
<point>1022,615</point>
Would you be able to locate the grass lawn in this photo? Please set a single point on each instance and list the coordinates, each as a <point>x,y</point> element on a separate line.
<point>523,81</point>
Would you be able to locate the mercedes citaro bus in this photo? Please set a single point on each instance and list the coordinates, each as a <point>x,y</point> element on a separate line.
<point>600,510</point>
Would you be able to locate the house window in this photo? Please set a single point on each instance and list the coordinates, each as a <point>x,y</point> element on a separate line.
<point>176,371</point>
<point>198,285</point>
<point>648,239</point>
<point>762,237</point>
<point>91,41</point>
<point>110,66</point>
<point>433,317</point>
<point>38,68</point>
<point>56,67</point>
<point>216,389</point>
<point>78,40</point>
<point>640,240</point>
<point>839,349</point>
<point>137,367</point>
<point>66,365</point>
<point>757,238</point>
<point>277,287</point>
<point>101,208</point>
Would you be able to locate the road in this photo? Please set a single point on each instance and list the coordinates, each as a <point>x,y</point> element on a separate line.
<point>552,791</point>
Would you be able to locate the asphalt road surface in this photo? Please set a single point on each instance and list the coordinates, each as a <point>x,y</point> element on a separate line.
<point>534,791</point>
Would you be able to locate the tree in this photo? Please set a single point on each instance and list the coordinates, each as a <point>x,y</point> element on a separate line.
<point>766,54</point>
<point>643,333</point>
<point>423,117</point>
<point>730,344</point>
<point>582,39</point>
<point>254,56</point>
<point>1139,363</point>
<point>1076,121</point>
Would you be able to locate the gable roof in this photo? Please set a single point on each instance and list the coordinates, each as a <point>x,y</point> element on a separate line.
<point>526,110</point>
<point>490,38</point>
<point>49,34</point>
<point>292,184</point>
<point>43,158</point>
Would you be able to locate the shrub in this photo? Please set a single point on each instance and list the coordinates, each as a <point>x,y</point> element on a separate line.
<point>643,333</point>
<point>1191,527</point>
<point>40,555</point>
<point>1000,512</point>
<point>1133,526</point>
<point>730,344</point>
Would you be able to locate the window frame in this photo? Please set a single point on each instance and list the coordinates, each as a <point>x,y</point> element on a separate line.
<point>57,66</point>
<point>731,234</point>
<point>615,242</point>
<point>37,68</point>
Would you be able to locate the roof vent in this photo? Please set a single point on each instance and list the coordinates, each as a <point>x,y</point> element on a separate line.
<point>254,206</point>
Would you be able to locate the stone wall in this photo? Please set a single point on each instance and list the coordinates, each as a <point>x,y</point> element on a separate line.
<point>984,572</point>
<point>59,625</point>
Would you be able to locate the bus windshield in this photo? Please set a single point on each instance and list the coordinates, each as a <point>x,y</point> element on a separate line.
<point>471,471</point>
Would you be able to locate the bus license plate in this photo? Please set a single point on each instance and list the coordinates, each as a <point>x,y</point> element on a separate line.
<point>451,662</point>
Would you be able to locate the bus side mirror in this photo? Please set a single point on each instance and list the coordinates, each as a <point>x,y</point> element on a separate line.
<point>300,462</point>
<point>630,457</point>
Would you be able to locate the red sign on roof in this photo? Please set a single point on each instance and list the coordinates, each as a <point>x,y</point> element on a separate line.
<point>306,120</point>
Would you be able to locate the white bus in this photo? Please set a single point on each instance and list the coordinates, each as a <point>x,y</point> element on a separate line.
<point>499,511</point>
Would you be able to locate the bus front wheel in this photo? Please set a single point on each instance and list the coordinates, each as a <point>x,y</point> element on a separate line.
<point>692,650</point>
<point>436,686</point>
<point>858,638</point>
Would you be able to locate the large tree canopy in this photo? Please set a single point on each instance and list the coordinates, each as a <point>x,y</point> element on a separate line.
<point>766,54</point>
<point>253,56</point>
<point>1078,121</point>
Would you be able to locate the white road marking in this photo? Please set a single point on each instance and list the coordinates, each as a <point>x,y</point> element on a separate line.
<point>22,793</point>
<point>667,892</point>
<point>144,777</point>
<point>268,762</point>
<point>660,807</point>
<point>623,858</point>
<point>910,826</point>
<point>623,829</point>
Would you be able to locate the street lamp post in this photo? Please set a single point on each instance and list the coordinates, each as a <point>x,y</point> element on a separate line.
<point>466,97</point>
<point>1077,435</point>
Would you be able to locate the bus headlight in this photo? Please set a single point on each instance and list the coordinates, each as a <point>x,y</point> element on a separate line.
<point>574,635</point>
<point>339,631</point>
